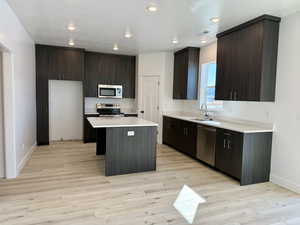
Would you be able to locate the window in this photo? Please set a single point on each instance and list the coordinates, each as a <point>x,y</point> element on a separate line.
<point>208,86</point>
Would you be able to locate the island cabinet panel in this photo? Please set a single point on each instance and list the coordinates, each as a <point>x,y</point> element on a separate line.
<point>130,149</point>
<point>109,69</point>
<point>247,61</point>
<point>186,69</point>
<point>180,134</point>
<point>89,133</point>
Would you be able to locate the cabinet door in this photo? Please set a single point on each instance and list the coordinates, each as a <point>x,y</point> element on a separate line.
<point>229,152</point>
<point>125,75</point>
<point>47,62</point>
<point>180,75</point>
<point>188,138</point>
<point>225,68</point>
<point>167,130</point>
<point>249,62</point>
<point>42,109</point>
<point>91,75</point>
<point>70,64</point>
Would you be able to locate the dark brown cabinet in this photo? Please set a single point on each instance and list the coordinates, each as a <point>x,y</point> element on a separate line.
<point>247,60</point>
<point>60,63</point>
<point>53,63</point>
<point>181,135</point>
<point>229,152</point>
<point>244,156</point>
<point>109,69</point>
<point>186,69</point>
<point>89,133</point>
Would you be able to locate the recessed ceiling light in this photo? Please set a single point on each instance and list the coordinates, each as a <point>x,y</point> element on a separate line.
<point>175,41</point>
<point>71,42</point>
<point>116,48</point>
<point>215,19</point>
<point>71,27</point>
<point>151,8</point>
<point>128,34</point>
<point>204,41</point>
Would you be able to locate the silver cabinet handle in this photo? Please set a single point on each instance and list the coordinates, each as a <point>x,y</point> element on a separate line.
<point>224,143</point>
<point>235,95</point>
<point>230,95</point>
<point>228,145</point>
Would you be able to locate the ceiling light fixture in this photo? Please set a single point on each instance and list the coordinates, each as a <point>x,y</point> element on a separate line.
<point>175,41</point>
<point>71,27</point>
<point>215,19</point>
<point>71,42</point>
<point>151,8</point>
<point>128,34</point>
<point>203,41</point>
<point>116,48</point>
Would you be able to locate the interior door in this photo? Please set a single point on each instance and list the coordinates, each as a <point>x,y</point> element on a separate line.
<point>149,109</point>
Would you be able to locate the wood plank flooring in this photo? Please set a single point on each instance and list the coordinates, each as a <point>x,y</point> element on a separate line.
<point>64,184</point>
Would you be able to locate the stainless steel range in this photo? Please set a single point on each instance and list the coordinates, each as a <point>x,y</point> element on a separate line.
<point>109,109</point>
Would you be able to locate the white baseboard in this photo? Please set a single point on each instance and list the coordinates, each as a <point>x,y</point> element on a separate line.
<point>25,159</point>
<point>285,183</point>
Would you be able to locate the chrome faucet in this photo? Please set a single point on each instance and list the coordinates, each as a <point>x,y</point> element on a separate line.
<point>203,108</point>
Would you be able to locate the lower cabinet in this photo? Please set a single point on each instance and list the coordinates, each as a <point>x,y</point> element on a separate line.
<point>181,135</point>
<point>244,156</point>
<point>229,147</point>
<point>89,133</point>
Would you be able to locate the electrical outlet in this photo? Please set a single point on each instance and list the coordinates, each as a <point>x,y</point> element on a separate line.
<point>130,133</point>
<point>23,146</point>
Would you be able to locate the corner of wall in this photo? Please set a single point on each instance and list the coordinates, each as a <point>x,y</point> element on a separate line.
<point>25,159</point>
<point>285,183</point>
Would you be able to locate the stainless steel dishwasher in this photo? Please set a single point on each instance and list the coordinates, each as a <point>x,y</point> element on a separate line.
<point>206,143</point>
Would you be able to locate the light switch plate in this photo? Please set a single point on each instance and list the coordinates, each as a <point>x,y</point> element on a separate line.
<point>130,133</point>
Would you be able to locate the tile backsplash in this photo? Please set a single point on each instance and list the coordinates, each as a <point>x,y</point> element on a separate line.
<point>127,105</point>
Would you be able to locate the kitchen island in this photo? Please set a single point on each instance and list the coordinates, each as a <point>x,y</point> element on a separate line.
<point>128,143</point>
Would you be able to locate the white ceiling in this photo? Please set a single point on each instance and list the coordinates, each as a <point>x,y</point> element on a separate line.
<point>101,23</point>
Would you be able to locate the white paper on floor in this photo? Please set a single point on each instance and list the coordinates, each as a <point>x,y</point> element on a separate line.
<point>187,203</point>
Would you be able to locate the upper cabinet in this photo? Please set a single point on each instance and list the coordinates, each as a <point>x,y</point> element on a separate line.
<point>247,60</point>
<point>186,69</point>
<point>60,63</point>
<point>111,69</point>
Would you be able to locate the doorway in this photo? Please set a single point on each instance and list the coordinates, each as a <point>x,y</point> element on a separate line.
<point>149,107</point>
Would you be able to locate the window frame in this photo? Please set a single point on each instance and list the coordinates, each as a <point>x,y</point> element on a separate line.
<point>203,88</point>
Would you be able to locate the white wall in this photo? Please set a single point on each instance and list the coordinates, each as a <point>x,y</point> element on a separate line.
<point>2,166</point>
<point>16,40</point>
<point>65,110</point>
<point>284,113</point>
<point>159,64</point>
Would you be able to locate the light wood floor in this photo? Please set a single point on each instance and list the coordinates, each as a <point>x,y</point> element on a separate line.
<point>64,184</point>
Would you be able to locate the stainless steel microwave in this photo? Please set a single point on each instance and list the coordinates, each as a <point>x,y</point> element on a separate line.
<point>110,91</point>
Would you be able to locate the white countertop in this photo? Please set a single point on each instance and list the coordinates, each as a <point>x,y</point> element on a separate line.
<point>105,122</point>
<point>239,126</point>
